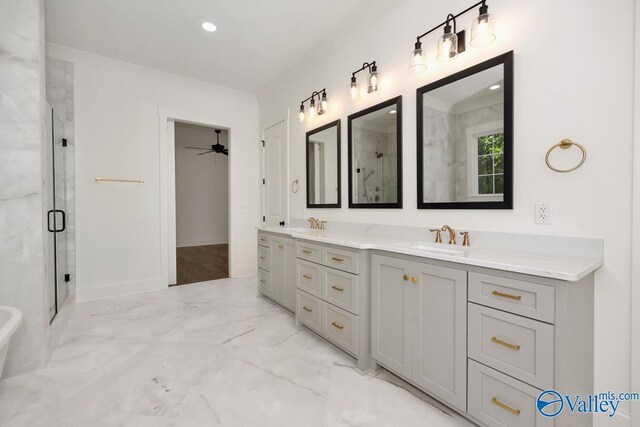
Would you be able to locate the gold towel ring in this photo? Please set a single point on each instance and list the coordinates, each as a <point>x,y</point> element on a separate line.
<point>295,185</point>
<point>565,144</point>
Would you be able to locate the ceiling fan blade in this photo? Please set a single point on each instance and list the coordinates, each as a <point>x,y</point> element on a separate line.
<point>198,148</point>
<point>206,152</point>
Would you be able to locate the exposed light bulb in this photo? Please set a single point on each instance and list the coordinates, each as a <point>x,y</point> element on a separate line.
<point>324,103</point>
<point>447,47</point>
<point>313,112</point>
<point>354,90</point>
<point>483,28</point>
<point>301,116</point>
<point>373,80</point>
<point>494,87</point>
<point>417,63</point>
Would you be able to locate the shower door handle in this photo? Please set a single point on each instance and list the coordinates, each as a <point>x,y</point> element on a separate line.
<point>64,220</point>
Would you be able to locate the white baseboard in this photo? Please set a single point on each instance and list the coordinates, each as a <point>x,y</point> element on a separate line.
<point>245,271</point>
<point>202,242</point>
<point>84,294</point>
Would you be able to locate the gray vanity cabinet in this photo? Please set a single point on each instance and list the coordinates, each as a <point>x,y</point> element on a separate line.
<point>419,325</point>
<point>276,262</point>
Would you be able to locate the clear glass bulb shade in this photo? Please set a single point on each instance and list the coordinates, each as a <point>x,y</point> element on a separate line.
<point>373,81</point>
<point>301,116</point>
<point>447,47</point>
<point>323,106</point>
<point>354,91</point>
<point>483,30</point>
<point>313,111</point>
<point>417,62</point>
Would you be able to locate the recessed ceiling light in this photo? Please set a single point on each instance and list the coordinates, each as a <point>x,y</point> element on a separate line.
<point>494,87</point>
<point>208,26</point>
<point>392,112</point>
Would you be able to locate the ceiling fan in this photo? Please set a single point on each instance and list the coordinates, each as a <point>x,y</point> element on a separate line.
<point>217,148</point>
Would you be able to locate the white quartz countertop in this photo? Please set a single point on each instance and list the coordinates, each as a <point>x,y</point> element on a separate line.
<point>560,267</point>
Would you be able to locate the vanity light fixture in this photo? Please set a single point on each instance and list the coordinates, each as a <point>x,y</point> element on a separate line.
<point>449,44</point>
<point>314,109</point>
<point>452,42</point>
<point>483,27</point>
<point>373,80</point>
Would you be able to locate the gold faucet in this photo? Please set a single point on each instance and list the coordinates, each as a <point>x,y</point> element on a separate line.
<point>452,234</point>
<point>316,224</point>
<point>437,231</point>
<point>322,224</point>
<point>465,240</point>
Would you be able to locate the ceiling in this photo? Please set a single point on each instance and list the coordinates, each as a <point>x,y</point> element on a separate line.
<point>255,41</point>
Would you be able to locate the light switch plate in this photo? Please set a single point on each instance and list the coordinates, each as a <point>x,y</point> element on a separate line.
<point>544,213</point>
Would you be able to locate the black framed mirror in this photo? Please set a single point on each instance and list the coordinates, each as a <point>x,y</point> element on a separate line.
<point>375,156</point>
<point>323,166</point>
<point>465,138</point>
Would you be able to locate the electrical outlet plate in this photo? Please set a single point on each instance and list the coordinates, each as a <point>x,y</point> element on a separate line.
<point>544,213</point>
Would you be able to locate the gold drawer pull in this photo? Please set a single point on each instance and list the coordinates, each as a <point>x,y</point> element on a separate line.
<point>306,276</point>
<point>336,259</point>
<point>262,257</point>
<point>414,279</point>
<point>263,240</point>
<point>337,288</point>
<point>499,404</point>
<point>307,309</point>
<point>281,246</point>
<point>502,294</point>
<point>337,325</point>
<point>506,344</point>
<point>263,281</point>
<point>405,277</point>
<point>307,251</point>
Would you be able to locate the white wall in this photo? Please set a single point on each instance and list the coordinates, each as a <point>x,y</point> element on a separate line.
<point>571,81</point>
<point>635,252</point>
<point>122,229</point>
<point>202,188</point>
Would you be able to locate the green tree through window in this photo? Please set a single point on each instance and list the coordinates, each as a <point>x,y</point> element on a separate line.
<point>491,164</point>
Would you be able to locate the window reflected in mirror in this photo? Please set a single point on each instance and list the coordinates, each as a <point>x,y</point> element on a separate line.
<point>464,138</point>
<point>323,166</point>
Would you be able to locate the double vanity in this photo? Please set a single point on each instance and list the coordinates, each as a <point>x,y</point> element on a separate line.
<point>483,328</point>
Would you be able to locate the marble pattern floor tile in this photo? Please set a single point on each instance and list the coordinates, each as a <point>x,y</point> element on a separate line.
<point>213,353</point>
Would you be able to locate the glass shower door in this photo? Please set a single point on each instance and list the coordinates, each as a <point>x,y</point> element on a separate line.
<point>56,215</point>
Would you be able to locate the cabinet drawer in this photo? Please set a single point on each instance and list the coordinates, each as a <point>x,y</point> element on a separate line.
<point>309,251</point>
<point>340,289</point>
<point>340,327</point>
<point>308,277</point>
<point>499,400</point>
<point>309,311</point>
<point>517,346</point>
<point>341,259</point>
<point>264,258</point>
<point>264,282</point>
<point>515,296</point>
<point>263,239</point>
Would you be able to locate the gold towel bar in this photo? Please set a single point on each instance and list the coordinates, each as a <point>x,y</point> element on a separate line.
<point>134,181</point>
<point>565,144</point>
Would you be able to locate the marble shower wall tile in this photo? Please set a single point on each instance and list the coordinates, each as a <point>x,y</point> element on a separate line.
<point>22,237</point>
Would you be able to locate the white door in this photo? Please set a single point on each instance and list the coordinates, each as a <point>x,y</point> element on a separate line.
<point>390,327</point>
<point>439,332</point>
<point>274,174</point>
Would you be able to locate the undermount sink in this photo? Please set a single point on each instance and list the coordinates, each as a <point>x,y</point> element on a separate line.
<point>438,248</point>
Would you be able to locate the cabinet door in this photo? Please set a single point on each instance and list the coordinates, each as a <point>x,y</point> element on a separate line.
<point>277,270</point>
<point>439,329</point>
<point>390,340</point>
<point>289,274</point>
